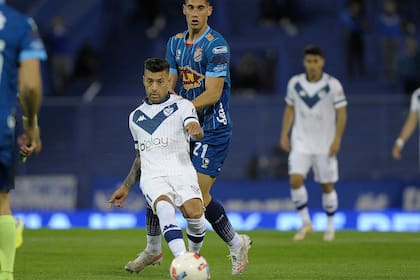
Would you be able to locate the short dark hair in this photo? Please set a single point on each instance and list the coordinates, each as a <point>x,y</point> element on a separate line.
<point>156,64</point>
<point>314,50</point>
<point>208,2</point>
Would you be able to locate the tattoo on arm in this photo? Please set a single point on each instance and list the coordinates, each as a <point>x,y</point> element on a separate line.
<point>134,174</point>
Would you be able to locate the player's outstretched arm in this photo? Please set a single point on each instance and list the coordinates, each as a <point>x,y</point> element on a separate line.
<point>119,196</point>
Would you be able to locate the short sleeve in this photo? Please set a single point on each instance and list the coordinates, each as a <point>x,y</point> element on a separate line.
<point>290,92</point>
<point>415,101</point>
<point>189,113</point>
<point>31,45</point>
<point>170,55</point>
<point>339,96</point>
<point>218,56</point>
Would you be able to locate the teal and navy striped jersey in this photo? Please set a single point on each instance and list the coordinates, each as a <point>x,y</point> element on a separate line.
<point>19,40</point>
<point>209,56</point>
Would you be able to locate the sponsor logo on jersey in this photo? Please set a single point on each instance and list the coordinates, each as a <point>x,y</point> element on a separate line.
<point>198,54</point>
<point>178,54</point>
<point>209,37</point>
<point>220,49</point>
<point>168,111</point>
<point>220,67</point>
<point>152,143</point>
<point>221,115</point>
<point>141,118</point>
<point>37,45</point>
<point>190,78</point>
<point>205,163</point>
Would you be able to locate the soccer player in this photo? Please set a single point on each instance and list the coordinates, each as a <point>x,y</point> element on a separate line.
<point>409,125</point>
<point>21,50</point>
<point>161,127</point>
<point>316,109</point>
<point>200,57</point>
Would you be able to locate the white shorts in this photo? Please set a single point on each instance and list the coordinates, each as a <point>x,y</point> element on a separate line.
<point>178,188</point>
<point>325,168</point>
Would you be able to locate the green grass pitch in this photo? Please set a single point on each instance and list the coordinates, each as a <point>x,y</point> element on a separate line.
<point>101,254</point>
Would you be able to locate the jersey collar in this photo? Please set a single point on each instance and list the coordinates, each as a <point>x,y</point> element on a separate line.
<point>199,38</point>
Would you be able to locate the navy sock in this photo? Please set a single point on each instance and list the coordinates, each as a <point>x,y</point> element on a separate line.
<point>152,222</point>
<point>216,215</point>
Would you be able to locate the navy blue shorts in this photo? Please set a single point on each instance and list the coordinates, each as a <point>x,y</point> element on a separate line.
<point>209,154</point>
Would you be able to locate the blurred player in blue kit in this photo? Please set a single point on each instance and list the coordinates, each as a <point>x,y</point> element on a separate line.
<point>21,50</point>
<point>200,57</point>
<point>316,109</point>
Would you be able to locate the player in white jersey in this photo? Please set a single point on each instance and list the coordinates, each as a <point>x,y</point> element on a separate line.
<point>316,108</point>
<point>409,125</point>
<point>161,128</point>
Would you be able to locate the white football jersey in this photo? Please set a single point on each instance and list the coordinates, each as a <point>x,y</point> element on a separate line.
<point>415,101</point>
<point>159,134</point>
<point>315,105</point>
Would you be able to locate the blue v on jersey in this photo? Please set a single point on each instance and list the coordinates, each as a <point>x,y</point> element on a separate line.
<point>208,56</point>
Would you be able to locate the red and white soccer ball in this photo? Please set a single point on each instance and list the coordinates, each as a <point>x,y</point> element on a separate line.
<point>189,266</point>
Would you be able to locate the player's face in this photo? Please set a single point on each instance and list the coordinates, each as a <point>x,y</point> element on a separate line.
<point>313,66</point>
<point>156,85</point>
<point>196,13</point>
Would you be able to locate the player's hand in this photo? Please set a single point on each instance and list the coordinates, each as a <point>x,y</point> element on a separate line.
<point>30,141</point>
<point>285,144</point>
<point>396,152</point>
<point>334,148</point>
<point>195,131</point>
<point>118,197</point>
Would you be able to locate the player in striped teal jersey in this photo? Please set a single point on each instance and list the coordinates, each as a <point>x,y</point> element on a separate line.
<point>21,50</point>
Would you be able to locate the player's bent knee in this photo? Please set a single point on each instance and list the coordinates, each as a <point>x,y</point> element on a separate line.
<point>296,181</point>
<point>327,188</point>
<point>192,209</point>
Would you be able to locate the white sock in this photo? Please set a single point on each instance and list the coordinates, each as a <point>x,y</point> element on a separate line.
<point>330,202</point>
<point>154,243</point>
<point>196,230</point>
<point>177,247</point>
<point>300,199</point>
<point>170,228</point>
<point>330,205</point>
<point>235,243</point>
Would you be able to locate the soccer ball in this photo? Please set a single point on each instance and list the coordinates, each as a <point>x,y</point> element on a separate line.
<point>189,266</point>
